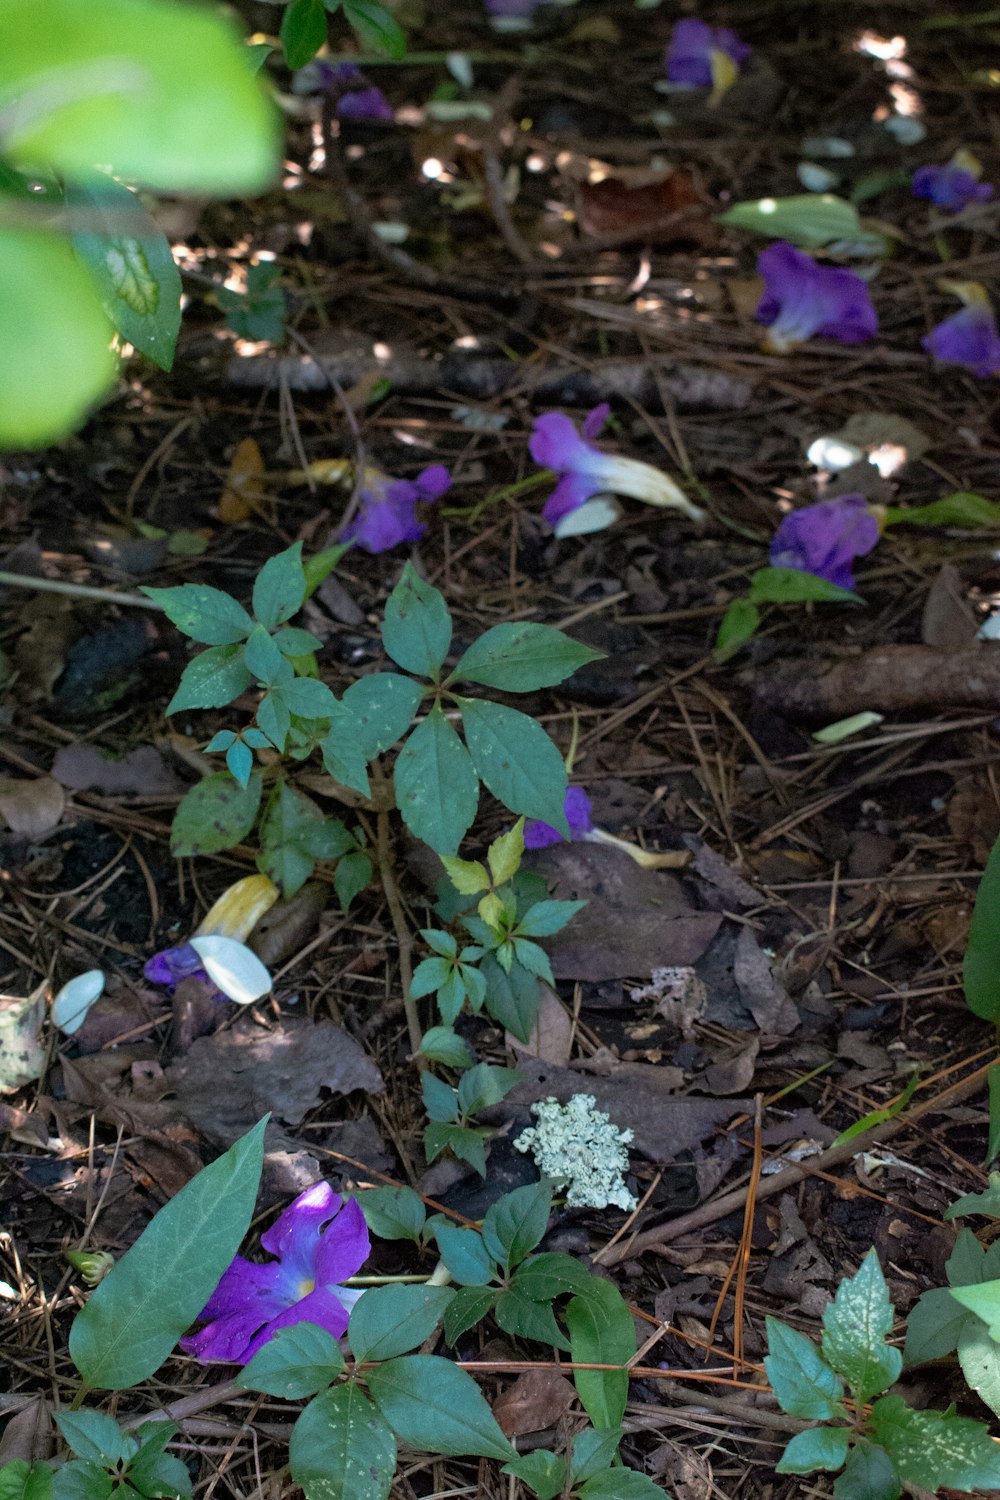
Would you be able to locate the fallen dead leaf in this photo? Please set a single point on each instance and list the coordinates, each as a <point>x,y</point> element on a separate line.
<point>22,1053</point>
<point>243,492</point>
<point>759,988</point>
<point>536,1400</point>
<point>141,772</point>
<point>31,807</point>
<point>948,619</point>
<point>551,1037</point>
<point>29,1434</point>
<point>665,210</point>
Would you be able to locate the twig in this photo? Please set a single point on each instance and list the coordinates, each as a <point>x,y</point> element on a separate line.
<point>74,590</point>
<point>404,938</point>
<point>493,172</point>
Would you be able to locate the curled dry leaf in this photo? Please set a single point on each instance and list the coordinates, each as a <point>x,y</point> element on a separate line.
<point>664,211</point>
<point>32,808</point>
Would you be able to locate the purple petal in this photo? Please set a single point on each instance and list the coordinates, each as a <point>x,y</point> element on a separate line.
<point>171,965</point>
<point>302,1220</point>
<point>689,55</point>
<point>969,337</point>
<point>385,521</point>
<point>365,104</point>
<point>802,298</point>
<point>577,809</point>
<point>556,444</point>
<point>593,422</point>
<point>247,1298</point>
<point>539,835</point>
<point>433,482</point>
<point>825,539</point>
<point>321,1307</point>
<point>572,491</point>
<point>344,1246</point>
<point>951,188</point>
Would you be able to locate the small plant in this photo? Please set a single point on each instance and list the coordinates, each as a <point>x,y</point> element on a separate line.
<point>879,1450</point>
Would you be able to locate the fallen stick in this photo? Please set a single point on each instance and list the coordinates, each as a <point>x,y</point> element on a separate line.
<point>889,679</point>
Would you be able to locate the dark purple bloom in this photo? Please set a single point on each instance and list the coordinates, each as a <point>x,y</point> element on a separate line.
<point>825,539</point>
<point>969,337</point>
<point>950,187</point>
<point>356,98</point>
<point>689,55</point>
<point>538,835</point>
<point>252,1302</point>
<point>171,965</point>
<point>387,515</point>
<point>802,298</point>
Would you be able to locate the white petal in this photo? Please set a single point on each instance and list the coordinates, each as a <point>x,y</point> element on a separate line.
<point>232,968</point>
<point>594,515</point>
<point>70,1007</point>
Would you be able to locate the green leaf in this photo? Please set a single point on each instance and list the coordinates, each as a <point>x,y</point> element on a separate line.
<point>514,1224</point>
<point>854,1327</point>
<point>468,876</point>
<point>987,1202</point>
<point>20,1480</point>
<point>979,1359</point>
<point>303,31</point>
<point>795,586</point>
<point>441,942</point>
<point>263,658</point>
<point>440,1101</point>
<point>274,719</point>
<point>135,1316</point>
<point>341,1449</point>
<point>523,657</point>
<point>738,626</point>
<point>291,837</point>
<point>259,312</point>
<point>868,1475</point>
<point>393,1213</point>
<point>543,1472</point>
<point>352,875</point>
<point>547,917</point>
<point>56,339</point>
<point>516,760</point>
<point>280,588</point>
<point>981,971</point>
<point>83,1479</point>
<point>463,1142</point>
<point>485,1085</point>
<point>984,1301</point>
<point>429,975</point>
<point>811,220</point>
<point>547,1276</point>
<point>802,1381</point>
<point>593,1452</point>
<point>621,1484</point>
<point>464,1253</point>
<point>933,1327</point>
<point>504,854</point>
<point>156,1474</point>
<point>960,509</point>
<point>416,631</point>
<point>212,680</point>
<point>239,762</point>
<point>129,257</point>
<point>993,1083</point>
<point>383,706</point>
<point>127,71</point>
<point>391,1320</point>
<point>524,1318</point>
<point>215,814</point>
<point>433,1406</point>
<point>511,999</point>
<point>816,1448</point>
<point>377,27</point>
<point>444,1045</point>
<point>205,614</point>
<point>343,757</point>
<point>601,1332</point>
<point>321,565</point>
<point>468,1307</point>
<point>437,791</point>
<point>935,1449</point>
<point>94,1435</point>
<point>296,1362</point>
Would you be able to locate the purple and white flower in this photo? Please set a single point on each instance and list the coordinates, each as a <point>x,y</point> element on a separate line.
<point>585,472</point>
<point>539,835</point>
<point>951,187</point>
<point>387,508</point>
<point>825,539</point>
<point>969,337</point>
<point>356,98</point>
<point>217,954</point>
<point>689,57</point>
<point>802,298</point>
<point>319,1242</point>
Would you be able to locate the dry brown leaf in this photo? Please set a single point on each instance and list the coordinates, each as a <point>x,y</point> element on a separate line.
<point>29,1434</point>
<point>141,772</point>
<point>551,1037</point>
<point>663,211</point>
<point>536,1400</point>
<point>243,492</point>
<point>31,807</point>
<point>22,1054</point>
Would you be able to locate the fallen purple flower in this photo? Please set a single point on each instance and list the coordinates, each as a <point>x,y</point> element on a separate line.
<point>689,55</point>
<point>802,298</point>
<point>539,835</point>
<point>234,916</point>
<point>171,965</point>
<point>252,1302</point>
<point>356,98</point>
<point>969,337</point>
<point>950,187</point>
<point>386,512</point>
<point>825,539</point>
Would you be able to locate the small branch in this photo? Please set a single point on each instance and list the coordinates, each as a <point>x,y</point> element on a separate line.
<point>493,172</point>
<point>74,590</point>
<point>404,938</point>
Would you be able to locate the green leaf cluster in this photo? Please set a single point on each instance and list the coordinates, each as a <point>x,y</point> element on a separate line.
<point>773,586</point>
<point>896,1445</point>
<point>963,1316</point>
<point>450,1110</point>
<point>115,1463</point>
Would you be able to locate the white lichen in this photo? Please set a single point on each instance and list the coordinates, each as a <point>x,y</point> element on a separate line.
<point>578,1147</point>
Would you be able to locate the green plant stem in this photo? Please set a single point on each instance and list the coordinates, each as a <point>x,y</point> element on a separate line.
<point>74,590</point>
<point>404,938</point>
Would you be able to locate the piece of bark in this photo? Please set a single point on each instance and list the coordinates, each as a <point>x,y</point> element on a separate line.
<point>890,679</point>
<point>483,377</point>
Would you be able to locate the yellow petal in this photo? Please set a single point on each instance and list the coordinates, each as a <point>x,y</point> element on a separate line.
<point>238,910</point>
<point>724,75</point>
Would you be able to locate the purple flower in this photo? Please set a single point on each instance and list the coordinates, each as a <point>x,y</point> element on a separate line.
<point>356,98</point>
<point>802,298</point>
<point>252,1302</point>
<point>538,835</point>
<point>171,965</point>
<point>585,471</point>
<point>387,515</point>
<point>950,187</point>
<point>689,56</point>
<point>825,539</point>
<point>969,337</point>
<point>511,10</point>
